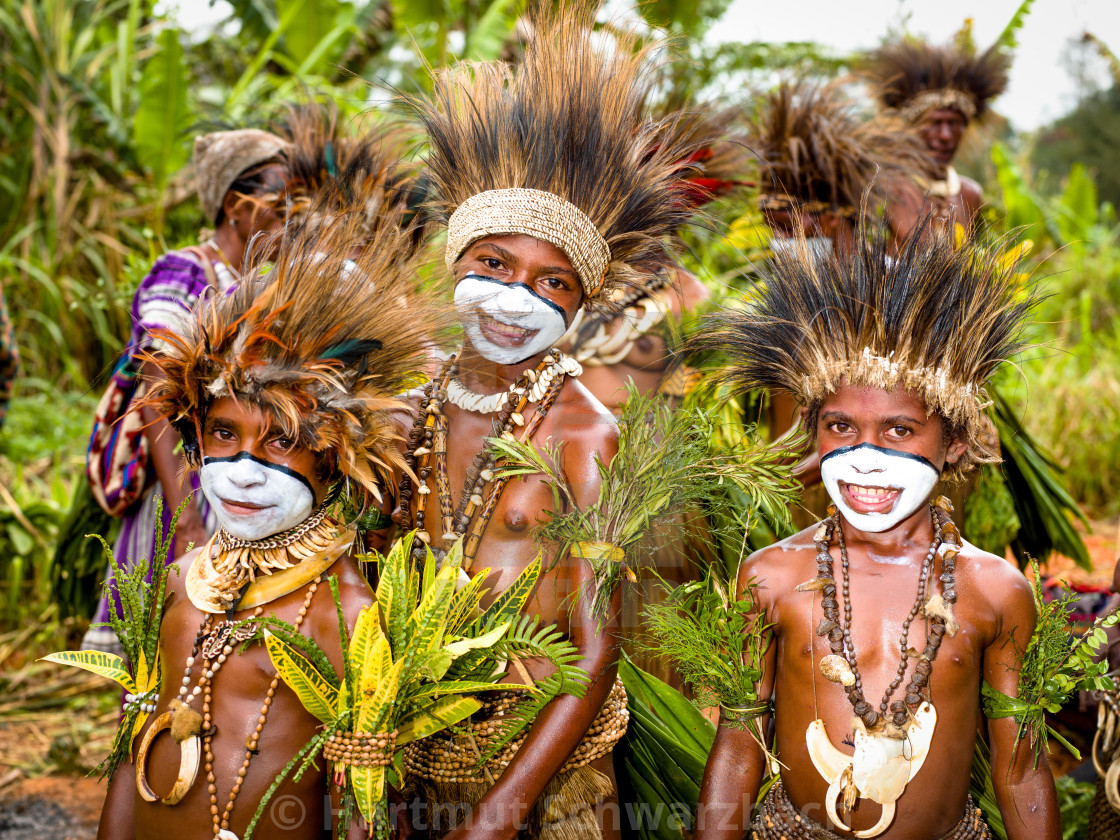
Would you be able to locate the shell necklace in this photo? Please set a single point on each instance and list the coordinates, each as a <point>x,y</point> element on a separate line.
<point>427,453</point>
<point>555,365</point>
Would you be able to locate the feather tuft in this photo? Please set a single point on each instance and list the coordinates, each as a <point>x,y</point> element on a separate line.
<point>932,319</point>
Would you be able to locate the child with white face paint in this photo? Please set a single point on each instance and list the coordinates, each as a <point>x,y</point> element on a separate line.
<point>254,498</point>
<point>888,484</point>
<point>276,413</point>
<point>884,624</point>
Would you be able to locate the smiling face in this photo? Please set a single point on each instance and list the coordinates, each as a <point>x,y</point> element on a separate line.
<point>941,129</point>
<point>516,296</point>
<point>258,481</point>
<point>880,454</point>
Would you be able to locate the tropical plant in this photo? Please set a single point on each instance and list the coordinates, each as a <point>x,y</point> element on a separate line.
<point>143,594</point>
<point>665,463</point>
<point>716,638</point>
<point>1051,671</point>
<point>415,663</point>
<point>660,761</point>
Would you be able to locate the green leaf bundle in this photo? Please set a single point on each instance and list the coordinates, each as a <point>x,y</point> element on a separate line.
<point>665,463</point>
<point>1051,671</point>
<point>715,641</point>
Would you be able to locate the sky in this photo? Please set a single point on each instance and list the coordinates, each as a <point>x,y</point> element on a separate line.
<point>1041,89</point>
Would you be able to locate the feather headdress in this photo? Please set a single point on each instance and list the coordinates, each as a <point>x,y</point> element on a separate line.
<point>911,77</point>
<point>932,319</point>
<point>721,156</point>
<point>559,148</point>
<point>817,156</point>
<point>321,340</point>
<point>363,172</point>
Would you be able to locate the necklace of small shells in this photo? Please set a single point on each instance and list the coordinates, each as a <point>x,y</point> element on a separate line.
<point>946,541</point>
<point>215,645</point>
<point>427,449</point>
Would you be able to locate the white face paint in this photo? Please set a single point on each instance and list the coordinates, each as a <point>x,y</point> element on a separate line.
<point>819,246</point>
<point>886,485</point>
<point>507,323</point>
<point>254,499</point>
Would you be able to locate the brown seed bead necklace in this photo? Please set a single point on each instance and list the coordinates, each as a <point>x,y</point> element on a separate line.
<point>427,452</point>
<point>221,818</point>
<point>839,632</point>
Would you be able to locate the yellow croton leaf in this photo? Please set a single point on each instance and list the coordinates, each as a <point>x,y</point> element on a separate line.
<point>317,695</point>
<point>369,789</point>
<point>441,714</point>
<point>107,665</point>
<point>147,680</point>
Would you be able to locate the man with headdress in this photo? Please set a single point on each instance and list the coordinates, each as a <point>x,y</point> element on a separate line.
<point>889,356</point>
<point>939,91</point>
<point>283,395</point>
<point>823,170</point>
<point>552,196</point>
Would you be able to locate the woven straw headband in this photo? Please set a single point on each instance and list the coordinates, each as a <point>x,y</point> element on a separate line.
<point>535,213</point>
<point>929,100</point>
<point>774,201</point>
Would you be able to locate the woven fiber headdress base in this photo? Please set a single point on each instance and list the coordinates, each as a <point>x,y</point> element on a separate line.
<point>930,100</point>
<point>536,213</point>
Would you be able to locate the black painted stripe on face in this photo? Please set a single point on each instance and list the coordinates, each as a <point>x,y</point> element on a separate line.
<point>843,450</point>
<point>551,304</point>
<point>246,456</point>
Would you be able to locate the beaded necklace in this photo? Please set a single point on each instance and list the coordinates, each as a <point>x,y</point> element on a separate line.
<point>221,819</point>
<point>427,452</point>
<point>946,541</point>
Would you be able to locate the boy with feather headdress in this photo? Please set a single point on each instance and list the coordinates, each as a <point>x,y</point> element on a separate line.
<point>283,393</point>
<point>889,356</point>
<point>939,91</point>
<point>555,190</point>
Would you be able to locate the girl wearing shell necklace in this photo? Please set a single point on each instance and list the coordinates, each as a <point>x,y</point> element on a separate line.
<point>283,393</point>
<point>552,197</point>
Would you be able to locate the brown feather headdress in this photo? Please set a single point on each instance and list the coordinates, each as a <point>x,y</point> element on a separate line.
<point>321,340</point>
<point>816,155</point>
<point>560,148</point>
<point>911,77</point>
<point>363,171</point>
<point>932,319</point>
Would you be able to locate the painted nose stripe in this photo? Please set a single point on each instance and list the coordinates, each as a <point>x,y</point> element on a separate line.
<point>896,453</point>
<point>246,456</point>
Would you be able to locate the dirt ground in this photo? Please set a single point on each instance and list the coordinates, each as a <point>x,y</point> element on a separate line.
<point>58,723</point>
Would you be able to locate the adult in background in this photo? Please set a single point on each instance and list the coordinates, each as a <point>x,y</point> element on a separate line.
<point>243,179</point>
<point>939,91</point>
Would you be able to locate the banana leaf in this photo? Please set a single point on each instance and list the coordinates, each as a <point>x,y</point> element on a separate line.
<point>983,790</point>
<point>660,761</point>
<point>1045,508</point>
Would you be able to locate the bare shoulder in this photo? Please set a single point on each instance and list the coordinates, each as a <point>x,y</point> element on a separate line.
<point>971,193</point>
<point>691,291</point>
<point>177,574</point>
<point>353,588</point>
<point>781,566</point>
<point>580,420</point>
<point>998,583</point>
